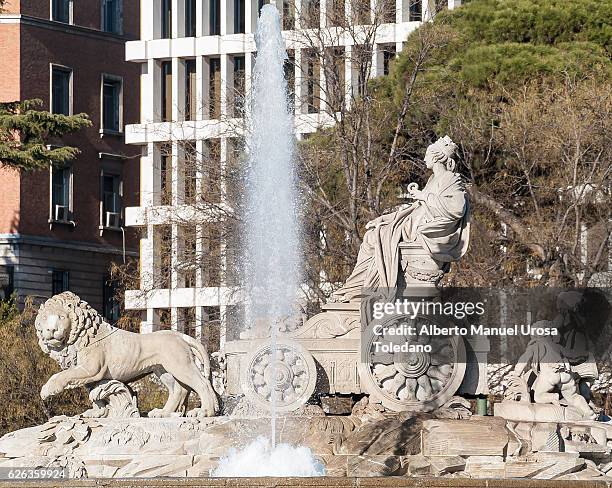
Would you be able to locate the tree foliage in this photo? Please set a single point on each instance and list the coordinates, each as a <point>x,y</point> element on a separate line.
<point>549,22</point>
<point>27,135</point>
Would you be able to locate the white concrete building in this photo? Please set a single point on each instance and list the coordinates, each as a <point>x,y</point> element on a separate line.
<point>190,51</point>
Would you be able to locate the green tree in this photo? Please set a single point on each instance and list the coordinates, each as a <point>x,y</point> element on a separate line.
<point>525,89</point>
<point>27,134</point>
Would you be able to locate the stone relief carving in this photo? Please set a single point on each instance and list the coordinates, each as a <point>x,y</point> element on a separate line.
<point>112,398</point>
<point>550,363</point>
<point>289,372</point>
<point>554,369</point>
<point>61,435</point>
<point>92,353</point>
<point>336,320</point>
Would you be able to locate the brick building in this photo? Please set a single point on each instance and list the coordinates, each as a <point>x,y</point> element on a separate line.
<point>60,228</point>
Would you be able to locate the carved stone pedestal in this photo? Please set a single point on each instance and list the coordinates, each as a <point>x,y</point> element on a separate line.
<point>420,270</point>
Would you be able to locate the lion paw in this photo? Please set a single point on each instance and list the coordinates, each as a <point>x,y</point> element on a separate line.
<point>159,413</point>
<point>200,412</point>
<point>49,389</point>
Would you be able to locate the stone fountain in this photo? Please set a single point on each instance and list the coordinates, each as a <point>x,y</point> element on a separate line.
<point>322,389</point>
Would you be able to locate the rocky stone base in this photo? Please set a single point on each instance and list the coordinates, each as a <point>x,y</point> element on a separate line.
<point>369,442</point>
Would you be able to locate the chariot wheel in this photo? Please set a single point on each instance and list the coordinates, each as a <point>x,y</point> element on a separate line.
<point>411,381</point>
<point>289,375</point>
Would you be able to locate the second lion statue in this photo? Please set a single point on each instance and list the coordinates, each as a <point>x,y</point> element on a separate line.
<point>91,351</point>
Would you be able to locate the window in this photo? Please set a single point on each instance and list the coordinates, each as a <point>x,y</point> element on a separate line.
<point>335,77</point>
<point>362,12</point>
<point>60,90</point>
<point>288,15</point>
<point>416,12</point>
<point>165,188</point>
<point>215,17</point>
<point>111,200</point>
<point>190,18</point>
<point>190,89</point>
<point>60,11</point>
<point>289,72</point>
<point>188,261</point>
<point>60,281</point>
<point>163,243</point>
<point>239,16</point>
<point>214,88</point>
<point>60,194</point>
<point>210,263</point>
<point>311,14</point>
<point>211,172</point>
<point>111,104</point>
<point>360,56</point>
<point>112,308</point>
<point>336,16</point>
<point>239,85</point>
<point>388,56</point>
<point>211,338</point>
<point>387,11</point>
<point>166,19</point>
<point>166,91</point>
<point>7,281</point>
<point>186,321</point>
<point>312,82</point>
<point>191,167</point>
<point>111,16</point>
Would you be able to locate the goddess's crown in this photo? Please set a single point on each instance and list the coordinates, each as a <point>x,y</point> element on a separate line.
<point>446,146</point>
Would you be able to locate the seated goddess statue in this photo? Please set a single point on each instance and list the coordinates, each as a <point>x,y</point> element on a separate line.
<point>438,221</point>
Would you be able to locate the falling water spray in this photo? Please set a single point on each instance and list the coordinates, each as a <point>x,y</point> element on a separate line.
<point>272,254</point>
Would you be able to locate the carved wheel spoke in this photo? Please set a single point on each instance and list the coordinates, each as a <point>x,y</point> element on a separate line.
<point>385,371</point>
<point>409,392</point>
<point>382,357</point>
<point>425,390</point>
<point>394,385</point>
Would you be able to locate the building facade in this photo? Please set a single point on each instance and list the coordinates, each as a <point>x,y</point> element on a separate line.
<point>196,59</point>
<point>60,228</point>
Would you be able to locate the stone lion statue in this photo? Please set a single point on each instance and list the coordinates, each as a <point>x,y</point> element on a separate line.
<point>90,352</point>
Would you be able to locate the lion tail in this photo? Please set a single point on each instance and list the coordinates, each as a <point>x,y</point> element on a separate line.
<point>199,351</point>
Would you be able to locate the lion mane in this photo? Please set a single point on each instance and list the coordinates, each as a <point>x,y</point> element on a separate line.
<point>85,324</point>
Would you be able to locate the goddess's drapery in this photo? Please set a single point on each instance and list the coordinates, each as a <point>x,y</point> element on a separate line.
<point>439,223</point>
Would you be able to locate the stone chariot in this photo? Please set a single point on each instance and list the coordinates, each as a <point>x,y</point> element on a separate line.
<point>330,355</point>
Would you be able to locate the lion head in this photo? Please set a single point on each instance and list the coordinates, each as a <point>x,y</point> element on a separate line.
<point>65,321</point>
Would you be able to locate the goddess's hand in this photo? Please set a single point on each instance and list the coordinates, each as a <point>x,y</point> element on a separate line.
<point>416,194</point>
